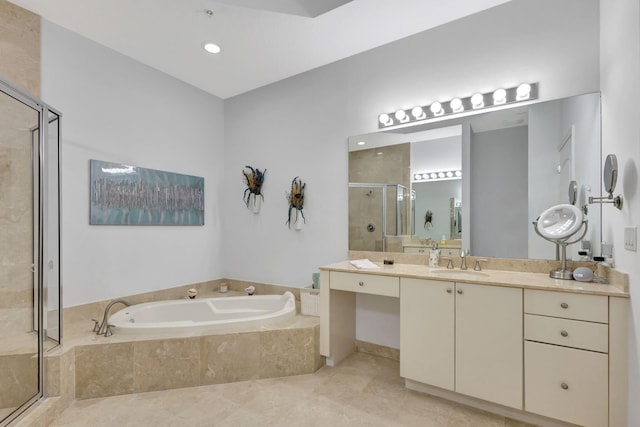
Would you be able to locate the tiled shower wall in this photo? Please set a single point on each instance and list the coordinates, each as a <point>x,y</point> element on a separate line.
<point>365,204</point>
<point>20,65</point>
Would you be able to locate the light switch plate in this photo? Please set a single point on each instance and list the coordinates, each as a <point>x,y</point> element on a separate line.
<point>631,238</point>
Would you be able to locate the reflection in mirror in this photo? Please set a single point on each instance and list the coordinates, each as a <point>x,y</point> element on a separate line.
<point>515,163</point>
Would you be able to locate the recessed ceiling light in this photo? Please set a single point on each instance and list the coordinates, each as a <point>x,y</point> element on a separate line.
<point>361,143</point>
<point>211,47</point>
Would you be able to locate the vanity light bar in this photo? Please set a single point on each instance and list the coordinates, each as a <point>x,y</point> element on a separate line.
<point>476,102</point>
<point>437,176</point>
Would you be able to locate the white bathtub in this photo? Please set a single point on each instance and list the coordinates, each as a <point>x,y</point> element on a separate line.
<point>202,313</point>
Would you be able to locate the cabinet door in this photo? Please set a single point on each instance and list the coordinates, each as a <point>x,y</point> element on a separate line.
<point>427,331</point>
<point>489,343</point>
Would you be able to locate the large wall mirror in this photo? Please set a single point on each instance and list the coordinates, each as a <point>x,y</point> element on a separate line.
<point>477,182</point>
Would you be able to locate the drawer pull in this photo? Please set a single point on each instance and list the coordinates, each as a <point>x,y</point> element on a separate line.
<point>361,283</point>
<point>564,305</point>
<point>564,334</point>
<point>564,386</point>
<point>460,291</point>
<point>449,290</point>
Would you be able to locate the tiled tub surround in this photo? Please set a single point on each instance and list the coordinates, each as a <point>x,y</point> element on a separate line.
<point>517,343</point>
<point>89,366</point>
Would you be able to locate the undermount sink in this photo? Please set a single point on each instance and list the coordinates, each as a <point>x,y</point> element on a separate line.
<point>469,274</point>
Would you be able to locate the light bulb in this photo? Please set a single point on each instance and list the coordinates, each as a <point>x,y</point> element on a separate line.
<point>456,105</point>
<point>477,100</point>
<point>440,174</point>
<point>385,119</point>
<point>418,113</point>
<point>417,177</point>
<point>434,175</point>
<point>458,173</point>
<point>401,115</point>
<point>499,97</point>
<point>449,174</point>
<point>523,91</point>
<point>436,109</point>
<point>425,176</point>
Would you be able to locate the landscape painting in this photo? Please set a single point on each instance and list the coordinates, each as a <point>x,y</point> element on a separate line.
<point>129,195</point>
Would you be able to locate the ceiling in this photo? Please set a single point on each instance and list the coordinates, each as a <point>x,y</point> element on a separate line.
<point>262,41</point>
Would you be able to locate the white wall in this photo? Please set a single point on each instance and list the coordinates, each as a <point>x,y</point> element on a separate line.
<point>499,203</point>
<point>620,68</point>
<point>116,109</point>
<point>549,124</point>
<point>300,126</point>
<point>435,196</point>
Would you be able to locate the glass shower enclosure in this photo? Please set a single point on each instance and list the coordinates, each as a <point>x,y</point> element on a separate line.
<point>376,212</point>
<point>30,299</point>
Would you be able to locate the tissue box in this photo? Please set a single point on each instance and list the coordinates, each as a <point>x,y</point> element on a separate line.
<point>310,301</point>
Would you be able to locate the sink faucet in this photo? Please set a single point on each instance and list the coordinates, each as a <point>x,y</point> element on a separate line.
<point>463,259</point>
<point>104,327</point>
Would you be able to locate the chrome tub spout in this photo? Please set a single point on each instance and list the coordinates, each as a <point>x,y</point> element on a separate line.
<point>102,330</point>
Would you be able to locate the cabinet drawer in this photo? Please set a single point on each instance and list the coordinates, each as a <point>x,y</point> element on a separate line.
<point>593,308</point>
<point>415,250</point>
<point>566,384</point>
<point>570,333</point>
<point>450,251</point>
<point>365,283</point>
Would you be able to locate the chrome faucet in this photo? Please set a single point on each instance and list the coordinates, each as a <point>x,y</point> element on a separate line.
<point>104,329</point>
<point>463,259</point>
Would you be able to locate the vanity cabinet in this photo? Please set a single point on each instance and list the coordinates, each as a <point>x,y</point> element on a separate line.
<point>519,344</point>
<point>566,356</point>
<point>463,337</point>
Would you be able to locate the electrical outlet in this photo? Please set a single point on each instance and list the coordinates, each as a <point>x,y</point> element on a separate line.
<point>631,238</point>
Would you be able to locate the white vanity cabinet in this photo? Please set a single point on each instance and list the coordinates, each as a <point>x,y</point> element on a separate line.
<point>566,356</point>
<point>463,337</point>
<point>523,345</point>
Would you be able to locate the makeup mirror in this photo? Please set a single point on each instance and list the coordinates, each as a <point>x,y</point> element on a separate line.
<point>560,224</point>
<point>610,175</point>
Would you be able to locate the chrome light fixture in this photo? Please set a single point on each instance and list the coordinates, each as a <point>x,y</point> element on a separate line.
<point>437,176</point>
<point>479,101</point>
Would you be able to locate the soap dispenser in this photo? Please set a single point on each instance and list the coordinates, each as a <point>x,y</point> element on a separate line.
<point>434,256</point>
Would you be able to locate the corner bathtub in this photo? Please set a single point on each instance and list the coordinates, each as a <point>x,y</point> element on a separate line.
<point>202,313</point>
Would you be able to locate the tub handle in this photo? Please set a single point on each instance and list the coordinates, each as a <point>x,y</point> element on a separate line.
<point>96,325</point>
<point>109,332</point>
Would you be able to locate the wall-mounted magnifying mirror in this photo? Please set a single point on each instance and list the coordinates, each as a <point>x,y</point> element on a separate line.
<point>559,224</point>
<point>573,192</point>
<point>610,177</point>
<point>610,173</point>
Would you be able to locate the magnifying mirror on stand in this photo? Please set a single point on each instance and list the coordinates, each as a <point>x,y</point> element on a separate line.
<point>560,224</point>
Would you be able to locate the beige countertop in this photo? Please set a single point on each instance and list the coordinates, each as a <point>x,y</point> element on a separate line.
<point>518,279</point>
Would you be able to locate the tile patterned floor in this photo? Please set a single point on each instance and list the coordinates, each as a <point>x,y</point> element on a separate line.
<point>364,390</point>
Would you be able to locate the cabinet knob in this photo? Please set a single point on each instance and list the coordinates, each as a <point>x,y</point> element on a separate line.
<point>564,334</point>
<point>564,305</point>
<point>361,283</point>
<point>564,386</point>
<point>459,291</point>
<point>449,290</point>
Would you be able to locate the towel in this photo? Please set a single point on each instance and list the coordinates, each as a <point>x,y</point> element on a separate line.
<point>363,264</point>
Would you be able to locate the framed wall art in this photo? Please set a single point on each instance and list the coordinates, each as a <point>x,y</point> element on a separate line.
<point>130,195</point>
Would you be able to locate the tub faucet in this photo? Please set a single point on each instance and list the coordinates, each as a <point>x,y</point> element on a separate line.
<point>104,327</point>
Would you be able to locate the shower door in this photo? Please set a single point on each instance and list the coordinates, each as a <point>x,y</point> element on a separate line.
<point>28,235</point>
